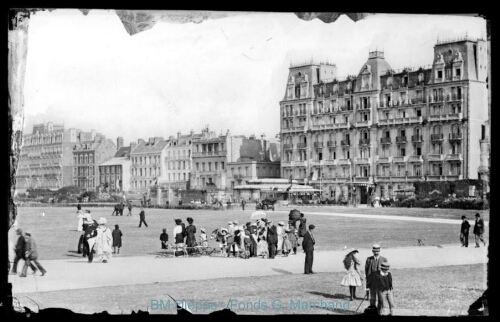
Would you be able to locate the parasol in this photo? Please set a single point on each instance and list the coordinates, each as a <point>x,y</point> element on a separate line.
<point>294,215</point>
<point>258,214</point>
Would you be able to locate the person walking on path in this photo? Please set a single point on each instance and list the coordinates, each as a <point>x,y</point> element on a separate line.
<point>272,238</point>
<point>117,239</point>
<point>353,276</point>
<point>142,217</point>
<point>383,284</point>
<point>191,237</point>
<point>243,204</point>
<point>372,266</point>
<point>479,230</point>
<point>129,206</point>
<point>164,239</point>
<point>464,232</point>
<point>31,257</point>
<point>308,246</point>
<point>20,250</point>
<point>103,242</point>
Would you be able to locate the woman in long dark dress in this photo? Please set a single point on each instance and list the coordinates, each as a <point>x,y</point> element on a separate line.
<point>191,237</point>
<point>117,239</point>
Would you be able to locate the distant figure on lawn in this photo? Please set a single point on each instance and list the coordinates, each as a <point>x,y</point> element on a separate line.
<point>272,238</point>
<point>243,204</point>
<point>80,216</point>
<point>142,217</point>
<point>31,257</point>
<point>129,206</point>
<point>383,285</point>
<point>117,240</point>
<point>190,235</point>
<point>353,276</point>
<point>103,242</point>
<point>372,266</point>
<point>164,239</point>
<point>118,210</point>
<point>178,232</point>
<point>479,230</point>
<point>203,238</point>
<point>464,232</point>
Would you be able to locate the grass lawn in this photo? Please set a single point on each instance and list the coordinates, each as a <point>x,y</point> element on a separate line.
<point>57,237</point>
<point>393,211</point>
<point>446,290</point>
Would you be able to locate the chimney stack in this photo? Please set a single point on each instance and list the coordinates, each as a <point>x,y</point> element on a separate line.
<point>119,143</point>
<point>133,145</point>
<point>179,134</point>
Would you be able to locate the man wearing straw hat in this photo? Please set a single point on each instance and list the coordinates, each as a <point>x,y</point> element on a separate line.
<point>383,284</point>
<point>308,246</point>
<point>372,266</point>
<point>104,241</point>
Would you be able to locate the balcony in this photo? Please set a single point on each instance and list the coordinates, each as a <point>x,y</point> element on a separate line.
<point>389,121</point>
<point>210,153</point>
<point>435,157</point>
<point>457,97</point>
<point>363,123</point>
<point>419,100</point>
<point>454,157</point>
<point>318,145</point>
<point>298,128</point>
<point>399,159</point>
<point>437,137</point>
<point>362,161</point>
<point>401,139</point>
<point>238,177</point>
<point>342,125</point>
<point>345,142</point>
<point>455,136</point>
<point>344,162</point>
<point>301,145</point>
<point>385,140</point>
<point>364,141</point>
<point>329,126</point>
<point>415,159</point>
<point>384,159</point>
<point>299,163</point>
<point>286,163</point>
<point>445,117</point>
<point>288,146</point>
<point>416,138</point>
<point>331,144</point>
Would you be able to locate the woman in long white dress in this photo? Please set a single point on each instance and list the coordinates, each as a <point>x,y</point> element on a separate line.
<point>353,277</point>
<point>80,217</point>
<point>104,241</point>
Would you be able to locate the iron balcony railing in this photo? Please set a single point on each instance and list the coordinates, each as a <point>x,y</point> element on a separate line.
<point>400,139</point>
<point>416,138</point>
<point>385,140</point>
<point>437,137</point>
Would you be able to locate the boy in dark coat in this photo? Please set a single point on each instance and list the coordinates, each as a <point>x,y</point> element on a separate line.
<point>382,281</point>
<point>164,239</point>
<point>142,216</point>
<point>117,239</point>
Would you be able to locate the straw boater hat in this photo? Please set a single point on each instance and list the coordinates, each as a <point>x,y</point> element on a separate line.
<point>235,222</point>
<point>376,247</point>
<point>281,223</point>
<point>102,221</point>
<point>385,266</point>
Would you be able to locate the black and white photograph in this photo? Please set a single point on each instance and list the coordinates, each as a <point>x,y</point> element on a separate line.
<point>188,162</point>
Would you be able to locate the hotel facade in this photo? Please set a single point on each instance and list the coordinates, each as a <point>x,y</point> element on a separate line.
<point>377,132</point>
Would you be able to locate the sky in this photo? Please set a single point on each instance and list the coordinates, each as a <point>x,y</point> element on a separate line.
<point>87,72</point>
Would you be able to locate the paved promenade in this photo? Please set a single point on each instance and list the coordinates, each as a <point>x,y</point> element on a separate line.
<point>78,274</point>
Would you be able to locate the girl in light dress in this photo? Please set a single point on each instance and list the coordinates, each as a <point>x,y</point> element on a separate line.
<point>353,277</point>
<point>262,249</point>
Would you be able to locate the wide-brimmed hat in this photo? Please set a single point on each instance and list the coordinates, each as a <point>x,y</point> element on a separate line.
<point>287,230</point>
<point>223,230</point>
<point>27,233</point>
<point>350,250</point>
<point>87,211</point>
<point>230,223</point>
<point>311,227</point>
<point>384,265</point>
<point>463,217</point>
<point>253,224</point>
<point>235,222</point>
<point>281,223</point>
<point>478,215</point>
<point>202,230</point>
<point>102,221</point>
<point>376,247</point>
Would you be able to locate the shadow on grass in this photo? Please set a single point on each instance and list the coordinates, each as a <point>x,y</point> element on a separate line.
<point>331,296</point>
<point>282,271</point>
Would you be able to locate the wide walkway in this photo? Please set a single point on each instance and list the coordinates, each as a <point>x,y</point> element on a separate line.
<point>78,274</point>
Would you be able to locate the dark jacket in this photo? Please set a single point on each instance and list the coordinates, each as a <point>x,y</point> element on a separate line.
<point>164,237</point>
<point>20,246</point>
<point>272,235</point>
<point>31,251</point>
<point>372,267</point>
<point>465,227</point>
<point>191,238</point>
<point>302,227</point>
<point>382,283</point>
<point>479,227</point>
<point>142,215</point>
<point>308,241</point>
<point>117,238</point>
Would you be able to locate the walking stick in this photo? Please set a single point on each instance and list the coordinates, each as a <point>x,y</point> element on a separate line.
<point>364,298</point>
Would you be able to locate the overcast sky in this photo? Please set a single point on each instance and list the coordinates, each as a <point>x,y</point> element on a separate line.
<point>89,73</point>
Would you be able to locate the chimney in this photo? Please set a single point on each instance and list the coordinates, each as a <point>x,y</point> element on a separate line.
<point>119,142</point>
<point>92,133</point>
<point>139,141</point>
<point>179,134</point>
<point>133,145</point>
<point>191,133</point>
<point>158,139</point>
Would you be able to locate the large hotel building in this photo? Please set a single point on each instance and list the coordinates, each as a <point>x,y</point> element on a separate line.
<point>379,131</point>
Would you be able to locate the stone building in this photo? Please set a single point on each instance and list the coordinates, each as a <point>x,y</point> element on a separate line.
<point>46,159</point>
<point>114,174</point>
<point>91,150</point>
<point>381,130</point>
<point>148,168</point>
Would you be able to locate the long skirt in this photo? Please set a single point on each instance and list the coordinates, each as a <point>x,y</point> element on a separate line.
<point>351,278</point>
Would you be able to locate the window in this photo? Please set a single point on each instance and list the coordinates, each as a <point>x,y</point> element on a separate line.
<point>419,112</point>
<point>440,74</point>
<point>417,170</point>
<point>222,165</point>
<point>401,170</point>
<point>402,152</point>
<point>457,72</point>
<point>448,73</point>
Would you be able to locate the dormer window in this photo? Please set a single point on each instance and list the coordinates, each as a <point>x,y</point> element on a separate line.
<point>405,81</point>
<point>440,74</point>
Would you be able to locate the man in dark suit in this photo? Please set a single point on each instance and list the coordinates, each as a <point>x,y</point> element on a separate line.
<point>308,246</point>
<point>31,257</point>
<point>272,239</point>
<point>142,217</point>
<point>371,267</point>
<point>20,250</point>
<point>464,232</point>
<point>479,230</point>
